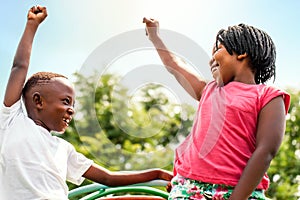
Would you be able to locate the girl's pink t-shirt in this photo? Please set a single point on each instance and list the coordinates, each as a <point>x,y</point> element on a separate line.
<point>223,135</point>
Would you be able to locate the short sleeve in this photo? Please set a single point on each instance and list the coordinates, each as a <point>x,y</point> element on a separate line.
<point>78,164</point>
<point>272,92</point>
<point>7,114</point>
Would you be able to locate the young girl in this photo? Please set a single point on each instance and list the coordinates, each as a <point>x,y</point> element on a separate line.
<point>240,121</point>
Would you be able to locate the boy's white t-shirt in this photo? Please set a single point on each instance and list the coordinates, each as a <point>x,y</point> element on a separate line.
<point>33,163</point>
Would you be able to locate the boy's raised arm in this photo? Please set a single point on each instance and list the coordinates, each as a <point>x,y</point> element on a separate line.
<point>17,78</point>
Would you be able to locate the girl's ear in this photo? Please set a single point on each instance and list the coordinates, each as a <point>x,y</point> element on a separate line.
<point>37,100</point>
<point>242,56</point>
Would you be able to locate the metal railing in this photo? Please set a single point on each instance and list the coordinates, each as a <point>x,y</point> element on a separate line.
<point>96,190</point>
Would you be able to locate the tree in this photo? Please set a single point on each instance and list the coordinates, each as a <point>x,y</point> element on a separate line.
<point>126,133</point>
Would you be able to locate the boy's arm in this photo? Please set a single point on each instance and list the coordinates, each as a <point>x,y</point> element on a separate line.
<point>103,176</point>
<point>190,81</point>
<point>270,131</point>
<point>22,57</point>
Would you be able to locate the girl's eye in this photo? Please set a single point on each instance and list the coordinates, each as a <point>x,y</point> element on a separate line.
<point>220,47</point>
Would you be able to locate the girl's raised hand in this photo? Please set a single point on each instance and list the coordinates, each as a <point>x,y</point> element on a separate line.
<point>152,27</point>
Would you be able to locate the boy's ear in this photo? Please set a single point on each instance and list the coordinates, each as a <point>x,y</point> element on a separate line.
<point>242,56</point>
<point>37,100</point>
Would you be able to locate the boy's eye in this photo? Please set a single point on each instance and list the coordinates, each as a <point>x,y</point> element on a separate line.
<point>66,101</point>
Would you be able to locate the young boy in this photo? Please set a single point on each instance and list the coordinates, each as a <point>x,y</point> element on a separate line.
<point>35,164</point>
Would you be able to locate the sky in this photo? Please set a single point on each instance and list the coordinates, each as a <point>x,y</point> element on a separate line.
<point>74,29</point>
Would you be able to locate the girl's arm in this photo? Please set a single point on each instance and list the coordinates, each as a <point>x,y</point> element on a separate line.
<point>190,81</point>
<point>270,131</point>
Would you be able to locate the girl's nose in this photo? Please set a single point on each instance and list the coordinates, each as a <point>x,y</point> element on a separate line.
<point>211,61</point>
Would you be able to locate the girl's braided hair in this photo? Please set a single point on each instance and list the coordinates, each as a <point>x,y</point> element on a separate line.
<point>256,43</point>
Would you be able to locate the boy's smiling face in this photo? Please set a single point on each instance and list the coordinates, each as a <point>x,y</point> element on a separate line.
<point>54,104</point>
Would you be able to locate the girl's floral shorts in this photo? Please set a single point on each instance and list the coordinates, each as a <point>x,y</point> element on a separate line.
<point>185,188</point>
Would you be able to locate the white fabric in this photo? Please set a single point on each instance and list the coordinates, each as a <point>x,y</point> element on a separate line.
<point>33,163</point>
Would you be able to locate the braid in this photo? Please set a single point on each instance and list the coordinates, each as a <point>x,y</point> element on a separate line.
<point>36,78</point>
<point>256,43</point>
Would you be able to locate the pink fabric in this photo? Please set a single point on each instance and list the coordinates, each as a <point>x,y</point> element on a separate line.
<point>223,135</point>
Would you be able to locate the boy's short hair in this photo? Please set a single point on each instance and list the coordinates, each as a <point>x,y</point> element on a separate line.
<point>36,79</point>
<point>256,43</point>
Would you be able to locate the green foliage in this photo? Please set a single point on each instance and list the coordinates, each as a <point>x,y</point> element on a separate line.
<point>122,132</point>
